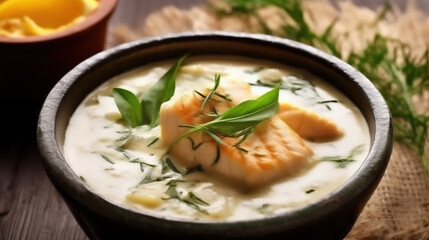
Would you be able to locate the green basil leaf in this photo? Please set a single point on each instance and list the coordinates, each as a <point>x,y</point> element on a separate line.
<point>159,93</point>
<point>129,106</point>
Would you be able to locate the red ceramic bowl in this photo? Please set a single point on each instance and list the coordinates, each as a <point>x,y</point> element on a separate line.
<point>30,66</point>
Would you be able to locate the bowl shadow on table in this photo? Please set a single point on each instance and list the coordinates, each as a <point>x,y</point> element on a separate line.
<point>332,217</point>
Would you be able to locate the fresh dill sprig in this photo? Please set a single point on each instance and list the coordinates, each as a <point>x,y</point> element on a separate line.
<point>389,63</point>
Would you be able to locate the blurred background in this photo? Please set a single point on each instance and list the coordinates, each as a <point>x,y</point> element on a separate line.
<point>134,12</point>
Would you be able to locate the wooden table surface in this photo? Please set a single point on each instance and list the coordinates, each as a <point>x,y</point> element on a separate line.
<point>30,207</point>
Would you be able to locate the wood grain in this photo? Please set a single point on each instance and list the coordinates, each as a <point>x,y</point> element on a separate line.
<point>30,207</point>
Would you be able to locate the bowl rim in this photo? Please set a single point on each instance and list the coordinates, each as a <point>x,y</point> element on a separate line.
<point>103,11</point>
<point>366,177</point>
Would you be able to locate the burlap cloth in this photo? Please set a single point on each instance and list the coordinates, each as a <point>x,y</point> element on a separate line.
<point>399,208</point>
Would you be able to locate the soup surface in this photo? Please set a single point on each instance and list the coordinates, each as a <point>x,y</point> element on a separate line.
<point>138,168</point>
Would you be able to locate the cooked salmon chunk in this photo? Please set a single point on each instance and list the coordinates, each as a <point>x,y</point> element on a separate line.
<point>308,125</point>
<point>272,151</point>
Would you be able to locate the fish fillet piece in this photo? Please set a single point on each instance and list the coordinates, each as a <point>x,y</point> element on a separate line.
<point>273,151</point>
<point>307,124</point>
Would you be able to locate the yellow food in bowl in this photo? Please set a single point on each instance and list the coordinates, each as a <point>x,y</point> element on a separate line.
<point>20,18</point>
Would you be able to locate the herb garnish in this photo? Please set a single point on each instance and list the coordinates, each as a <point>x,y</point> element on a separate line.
<point>147,177</point>
<point>309,191</point>
<point>123,151</point>
<point>82,178</point>
<point>239,120</point>
<point>129,106</point>
<point>341,161</point>
<point>265,209</point>
<point>127,133</point>
<point>107,158</point>
<point>167,164</point>
<point>153,142</point>
<point>389,63</point>
<point>297,86</point>
<point>212,91</point>
<point>190,199</point>
<point>145,111</point>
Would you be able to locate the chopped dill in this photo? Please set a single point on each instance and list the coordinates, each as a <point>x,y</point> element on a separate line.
<point>123,151</point>
<point>126,134</point>
<point>172,190</point>
<point>200,94</point>
<point>139,160</point>
<point>142,167</point>
<point>153,142</point>
<point>147,164</point>
<point>167,164</point>
<point>162,178</point>
<point>190,199</point>
<point>107,158</point>
<point>343,162</point>
<point>191,202</point>
<point>143,164</point>
<point>265,209</point>
<point>212,91</point>
<point>328,101</point>
<point>309,191</point>
<point>147,178</point>
<point>224,97</point>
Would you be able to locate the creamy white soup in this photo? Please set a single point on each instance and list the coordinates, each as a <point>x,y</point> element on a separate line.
<point>315,141</point>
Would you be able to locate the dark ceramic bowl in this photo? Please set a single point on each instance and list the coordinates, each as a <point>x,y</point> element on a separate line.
<point>31,66</point>
<point>332,217</point>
